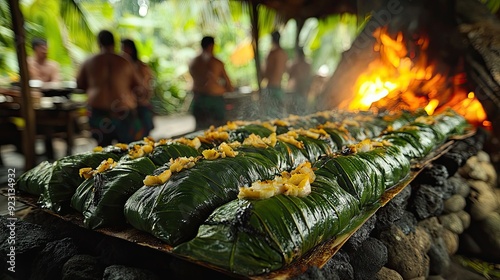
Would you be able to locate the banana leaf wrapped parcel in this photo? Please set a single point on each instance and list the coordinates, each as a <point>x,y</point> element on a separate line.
<point>185,200</point>
<point>247,197</point>
<point>419,137</point>
<point>58,181</point>
<point>258,234</point>
<point>101,197</point>
<point>165,150</point>
<point>34,179</point>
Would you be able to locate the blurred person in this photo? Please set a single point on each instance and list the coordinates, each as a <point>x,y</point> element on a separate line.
<point>39,66</point>
<point>144,107</point>
<point>299,81</point>
<point>210,82</point>
<point>273,96</point>
<point>111,84</point>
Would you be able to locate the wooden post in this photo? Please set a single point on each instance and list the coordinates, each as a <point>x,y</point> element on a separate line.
<point>27,111</point>
<point>254,18</point>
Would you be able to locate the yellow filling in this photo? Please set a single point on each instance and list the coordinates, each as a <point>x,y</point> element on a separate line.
<point>291,138</point>
<point>194,143</point>
<point>295,183</point>
<point>88,172</point>
<point>260,142</point>
<point>138,151</point>
<point>176,165</point>
<point>367,145</point>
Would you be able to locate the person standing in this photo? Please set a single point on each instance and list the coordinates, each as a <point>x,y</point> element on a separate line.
<point>210,82</point>
<point>112,87</point>
<point>144,107</point>
<point>39,66</point>
<point>275,67</point>
<point>299,80</point>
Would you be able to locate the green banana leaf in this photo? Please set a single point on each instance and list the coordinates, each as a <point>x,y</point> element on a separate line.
<point>314,148</point>
<point>102,197</point>
<point>162,154</point>
<point>449,122</point>
<point>58,181</point>
<point>357,176</point>
<point>390,161</point>
<point>242,132</point>
<point>340,138</point>
<point>414,143</point>
<point>174,213</point>
<point>187,199</point>
<point>189,196</point>
<point>138,207</point>
<point>252,237</point>
<point>33,180</point>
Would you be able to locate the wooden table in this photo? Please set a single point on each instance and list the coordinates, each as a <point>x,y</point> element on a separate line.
<point>55,118</point>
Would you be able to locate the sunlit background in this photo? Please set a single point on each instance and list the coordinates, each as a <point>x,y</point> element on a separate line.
<point>167,34</point>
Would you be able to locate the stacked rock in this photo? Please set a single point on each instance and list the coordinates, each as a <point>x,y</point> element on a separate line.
<point>482,238</point>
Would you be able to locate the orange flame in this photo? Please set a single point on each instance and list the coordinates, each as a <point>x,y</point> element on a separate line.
<point>407,79</point>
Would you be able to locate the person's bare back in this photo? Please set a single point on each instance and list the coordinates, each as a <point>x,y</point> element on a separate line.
<point>209,75</point>
<point>109,80</point>
<point>275,67</point>
<point>299,76</point>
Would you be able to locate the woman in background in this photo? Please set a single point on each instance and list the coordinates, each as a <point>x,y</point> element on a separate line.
<point>144,94</point>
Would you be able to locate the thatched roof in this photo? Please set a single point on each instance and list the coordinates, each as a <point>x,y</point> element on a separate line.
<point>303,9</point>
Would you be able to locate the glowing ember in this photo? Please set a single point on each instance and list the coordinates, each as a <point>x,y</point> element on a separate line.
<point>403,79</point>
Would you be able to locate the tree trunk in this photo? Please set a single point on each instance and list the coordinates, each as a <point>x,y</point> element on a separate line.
<point>26,102</point>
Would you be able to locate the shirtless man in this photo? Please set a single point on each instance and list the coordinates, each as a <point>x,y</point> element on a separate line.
<point>210,82</point>
<point>41,68</point>
<point>299,80</point>
<point>110,82</point>
<point>275,67</point>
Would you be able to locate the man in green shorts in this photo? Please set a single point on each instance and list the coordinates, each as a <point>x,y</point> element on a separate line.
<point>210,82</point>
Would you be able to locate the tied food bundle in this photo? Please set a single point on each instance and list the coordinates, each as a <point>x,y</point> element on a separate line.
<point>247,197</point>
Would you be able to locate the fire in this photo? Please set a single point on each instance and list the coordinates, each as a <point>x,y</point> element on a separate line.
<point>404,78</point>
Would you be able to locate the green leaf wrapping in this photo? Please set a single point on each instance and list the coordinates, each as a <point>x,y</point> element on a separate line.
<point>187,199</point>
<point>161,154</point>
<point>61,180</point>
<point>357,176</point>
<point>33,180</point>
<point>417,139</point>
<point>242,132</point>
<point>450,122</point>
<point>314,148</point>
<point>101,198</point>
<point>340,138</point>
<point>252,237</point>
<point>174,213</point>
<point>390,161</point>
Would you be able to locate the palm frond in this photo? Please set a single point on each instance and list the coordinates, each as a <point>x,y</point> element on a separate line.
<point>493,5</point>
<point>77,28</point>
